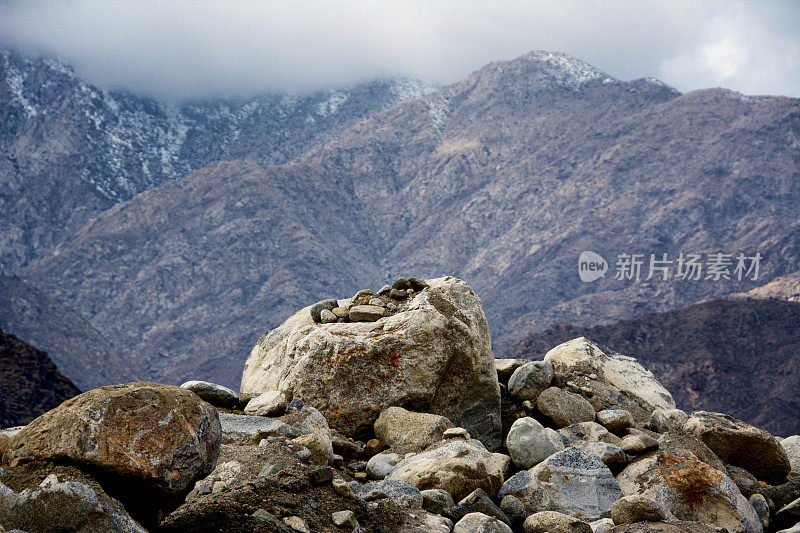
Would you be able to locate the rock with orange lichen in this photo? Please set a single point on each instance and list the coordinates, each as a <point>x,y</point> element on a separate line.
<point>434,355</point>
<point>690,489</point>
<point>161,436</point>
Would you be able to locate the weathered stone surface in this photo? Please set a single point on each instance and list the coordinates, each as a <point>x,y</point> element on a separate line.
<point>570,482</point>
<point>437,355</point>
<point>437,501</point>
<point>382,464</point>
<point>529,443</point>
<point>761,507</point>
<point>480,523</point>
<point>689,489</point>
<point>161,435</point>
<point>564,408</point>
<point>403,494</point>
<point>514,510</point>
<point>458,466</point>
<point>615,420</point>
<point>673,526</point>
<point>316,310</point>
<point>212,393</point>
<point>366,313</point>
<point>269,403</point>
<point>555,522</point>
<point>662,421</point>
<point>612,455</point>
<point>587,432</point>
<point>791,445</point>
<point>480,502</point>
<point>408,431</point>
<point>638,443</point>
<point>251,428</point>
<point>66,501</point>
<point>636,508</point>
<point>740,444</point>
<point>530,380</point>
<point>419,521</point>
<point>506,367</point>
<point>620,371</point>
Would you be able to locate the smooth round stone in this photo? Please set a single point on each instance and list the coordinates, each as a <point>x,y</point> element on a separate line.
<point>266,404</point>
<point>376,302</point>
<point>326,316</point>
<point>366,313</point>
<point>340,312</point>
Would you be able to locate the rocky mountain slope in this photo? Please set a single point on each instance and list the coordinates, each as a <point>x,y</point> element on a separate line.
<point>30,382</point>
<point>781,288</point>
<point>76,347</point>
<point>737,356</point>
<point>71,150</point>
<point>503,179</point>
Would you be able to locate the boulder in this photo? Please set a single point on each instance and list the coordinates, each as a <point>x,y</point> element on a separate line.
<point>382,464</point>
<point>456,466</point>
<point>638,443</point>
<point>636,508</point>
<point>160,435</point>
<point>529,443</point>
<point>689,489</point>
<point>554,522</point>
<point>403,494</point>
<point>438,501</point>
<point>570,482</point>
<point>251,428</point>
<point>673,526</point>
<point>612,455</point>
<point>506,367</point>
<point>662,421</point>
<point>564,408</point>
<point>65,500</point>
<point>625,373</point>
<point>587,432</point>
<point>419,521</point>
<point>480,502</point>
<point>791,445</point>
<point>514,510</point>
<point>738,443</point>
<point>480,523</point>
<point>366,313</point>
<point>269,403</point>
<point>530,380</point>
<point>408,431</point>
<point>216,395</point>
<point>436,355</point>
<point>615,420</point>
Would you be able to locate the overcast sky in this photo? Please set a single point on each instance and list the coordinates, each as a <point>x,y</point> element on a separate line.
<point>182,49</point>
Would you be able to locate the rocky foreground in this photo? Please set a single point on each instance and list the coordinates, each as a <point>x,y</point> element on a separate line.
<point>387,412</point>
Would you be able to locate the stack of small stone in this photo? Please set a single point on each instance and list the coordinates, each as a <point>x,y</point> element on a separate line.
<point>369,306</point>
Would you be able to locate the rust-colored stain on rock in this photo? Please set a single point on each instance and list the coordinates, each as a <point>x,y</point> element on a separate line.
<point>688,476</point>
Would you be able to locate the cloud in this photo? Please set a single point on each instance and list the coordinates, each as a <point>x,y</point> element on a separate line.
<point>185,49</point>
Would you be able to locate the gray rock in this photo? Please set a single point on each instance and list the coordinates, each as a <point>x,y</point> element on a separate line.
<point>514,510</point>
<point>353,375</point>
<point>480,502</point>
<point>612,455</point>
<point>339,312</point>
<point>297,524</point>
<point>570,482</point>
<point>480,523</point>
<point>366,313</point>
<point>438,501</point>
<point>456,433</point>
<point>554,522</point>
<point>214,394</point>
<point>326,316</point>
<point>530,380</point>
<point>662,421</point>
<point>789,513</point>
<point>401,284</point>
<point>604,525</point>
<point>636,508</point>
<point>420,521</point>
<point>564,408</point>
<point>408,431</point>
<point>316,309</point>
<point>377,302</point>
<point>251,428</point>
<point>397,294</point>
<point>530,443</point>
<point>417,284</point>
<point>457,466</point>
<point>738,443</point>
<point>687,488</point>
<point>345,518</point>
<point>506,367</point>
<point>615,420</point>
<point>791,445</point>
<point>267,403</point>
<point>638,444</point>
<point>381,465</point>
<point>622,372</point>
<point>587,432</point>
<point>761,507</point>
<point>384,290</point>
<point>403,494</point>
<point>64,503</point>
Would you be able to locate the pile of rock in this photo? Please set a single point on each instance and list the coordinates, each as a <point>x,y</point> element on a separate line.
<point>395,425</point>
<point>366,305</point>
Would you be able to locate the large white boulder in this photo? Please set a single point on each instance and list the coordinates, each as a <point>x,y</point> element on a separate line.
<point>433,356</point>
<point>620,371</point>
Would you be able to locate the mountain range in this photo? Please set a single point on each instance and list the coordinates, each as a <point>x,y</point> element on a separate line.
<point>502,179</point>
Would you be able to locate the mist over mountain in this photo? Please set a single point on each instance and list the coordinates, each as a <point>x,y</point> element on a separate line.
<point>502,179</point>
<point>71,149</point>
